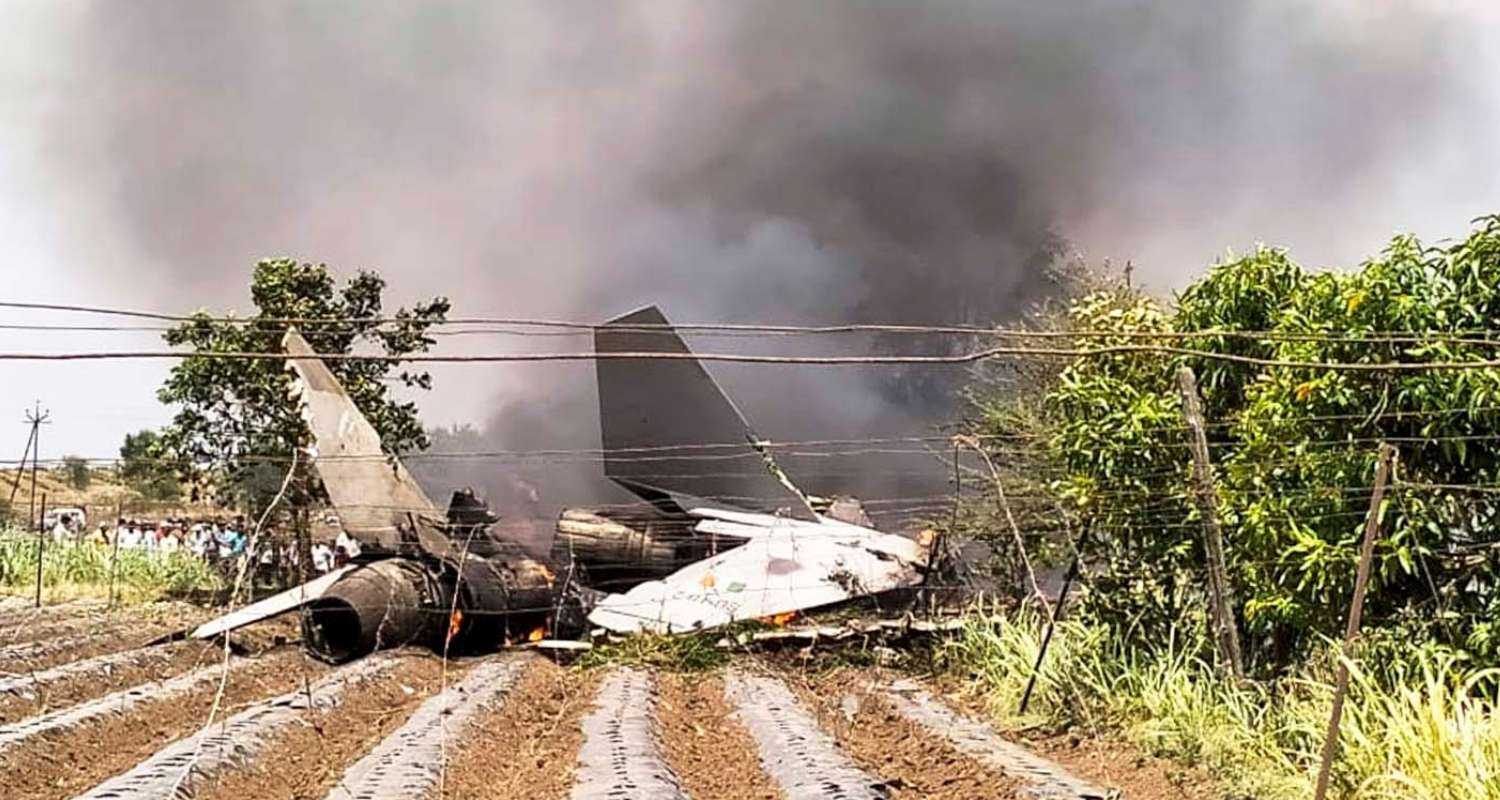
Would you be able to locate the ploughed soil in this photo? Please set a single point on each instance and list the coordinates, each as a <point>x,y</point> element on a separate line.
<point>150,664</point>
<point>62,763</point>
<point>1115,763</point>
<point>1100,757</point>
<point>58,620</point>
<point>526,748</point>
<point>28,649</point>
<point>915,763</point>
<point>307,761</point>
<point>704,743</point>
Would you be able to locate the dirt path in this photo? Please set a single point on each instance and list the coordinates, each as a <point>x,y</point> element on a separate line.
<point>62,763</point>
<point>526,748</point>
<point>709,749</point>
<point>915,763</point>
<point>306,761</point>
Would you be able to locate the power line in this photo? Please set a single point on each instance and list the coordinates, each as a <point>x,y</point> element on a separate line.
<point>956,359</point>
<point>1474,336</point>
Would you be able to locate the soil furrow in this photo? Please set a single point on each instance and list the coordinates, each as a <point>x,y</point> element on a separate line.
<point>26,657</point>
<point>1039,777</point>
<point>708,748</point>
<point>527,748</point>
<point>66,760</point>
<point>411,762</point>
<point>141,618</point>
<point>180,768</point>
<point>804,761</point>
<point>58,687</point>
<point>621,755</point>
<point>114,703</point>
<point>915,762</point>
<point>308,759</point>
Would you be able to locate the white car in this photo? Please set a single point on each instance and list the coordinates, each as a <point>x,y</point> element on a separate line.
<point>74,518</point>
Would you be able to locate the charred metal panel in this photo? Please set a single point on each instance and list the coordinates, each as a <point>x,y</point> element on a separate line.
<point>669,430</point>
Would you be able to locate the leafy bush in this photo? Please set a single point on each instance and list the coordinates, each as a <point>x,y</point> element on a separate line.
<point>76,470</point>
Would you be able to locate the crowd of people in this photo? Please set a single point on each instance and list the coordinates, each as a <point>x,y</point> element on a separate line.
<point>223,543</point>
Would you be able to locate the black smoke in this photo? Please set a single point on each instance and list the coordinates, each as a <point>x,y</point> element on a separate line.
<point>758,161</point>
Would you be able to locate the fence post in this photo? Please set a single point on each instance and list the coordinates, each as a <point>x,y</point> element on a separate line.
<point>1220,598</point>
<point>41,538</point>
<point>114,551</point>
<point>1356,610</point>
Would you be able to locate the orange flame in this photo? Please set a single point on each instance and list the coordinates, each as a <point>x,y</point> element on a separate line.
<point>537,635</point>
<point>780,620</point>
<point>455,623</point>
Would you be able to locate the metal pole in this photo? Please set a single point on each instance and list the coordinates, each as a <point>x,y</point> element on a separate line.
<point>1220,596</point>
<point>1356,610</point>
<point>1062,598</point>
<point>41,538</point>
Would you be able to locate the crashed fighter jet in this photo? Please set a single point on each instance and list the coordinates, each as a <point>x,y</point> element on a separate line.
<point>422,576</point>
<point>706,547</point>
<point>714,542</point>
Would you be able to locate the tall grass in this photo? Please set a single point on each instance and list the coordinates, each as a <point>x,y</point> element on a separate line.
<point>73,570</point>
<point>1426,729</point>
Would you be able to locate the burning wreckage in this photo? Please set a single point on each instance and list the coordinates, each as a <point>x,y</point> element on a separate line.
<point>706,548</point>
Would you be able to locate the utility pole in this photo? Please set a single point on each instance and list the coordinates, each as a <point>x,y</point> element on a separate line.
<point>21,466</point>
<point>1220,597</point>
<point>1356,610</point>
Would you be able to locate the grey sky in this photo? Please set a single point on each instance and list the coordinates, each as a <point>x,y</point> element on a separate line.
<point>750,162</point>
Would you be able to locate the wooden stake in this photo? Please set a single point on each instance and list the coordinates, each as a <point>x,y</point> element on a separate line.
<point>1356,610</point>
<point>1221,598</point>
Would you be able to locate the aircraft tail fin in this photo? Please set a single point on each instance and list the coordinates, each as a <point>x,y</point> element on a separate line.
<point>669,430</point>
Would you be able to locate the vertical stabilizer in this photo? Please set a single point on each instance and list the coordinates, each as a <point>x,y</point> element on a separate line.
<point>669,430</point>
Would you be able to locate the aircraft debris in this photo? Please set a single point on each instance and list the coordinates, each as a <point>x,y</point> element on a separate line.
<point>710,546</point>
<point>416,565</point>
<point>767,548</point>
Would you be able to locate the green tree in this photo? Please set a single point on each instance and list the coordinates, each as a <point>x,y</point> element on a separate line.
<point>1294,446</point>
<point>76,470</point>
<point>238,423</point>
<point>146,470</point>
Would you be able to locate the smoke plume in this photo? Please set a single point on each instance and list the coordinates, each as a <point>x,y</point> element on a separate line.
<point>759,161</point>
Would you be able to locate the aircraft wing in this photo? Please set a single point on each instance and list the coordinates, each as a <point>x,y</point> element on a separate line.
<point>276,604</point>
<point>793,565</point>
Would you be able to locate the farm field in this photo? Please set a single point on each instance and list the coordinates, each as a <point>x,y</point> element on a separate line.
<point>89,709</point>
